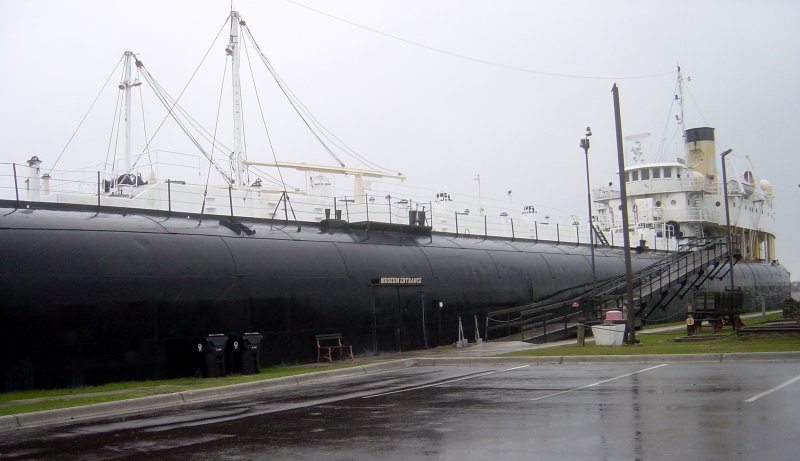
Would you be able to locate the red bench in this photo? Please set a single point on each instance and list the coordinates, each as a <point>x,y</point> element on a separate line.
<point>328,343</point>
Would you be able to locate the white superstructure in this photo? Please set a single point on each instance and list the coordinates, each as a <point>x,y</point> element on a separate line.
<point>684,199</point>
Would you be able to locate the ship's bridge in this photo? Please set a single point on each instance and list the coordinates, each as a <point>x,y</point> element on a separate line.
<point>658,178</point>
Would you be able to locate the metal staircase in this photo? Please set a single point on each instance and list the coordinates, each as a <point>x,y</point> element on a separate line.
<point>655,286</point>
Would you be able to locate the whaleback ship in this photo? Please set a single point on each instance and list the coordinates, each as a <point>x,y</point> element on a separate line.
<point>115,272</point>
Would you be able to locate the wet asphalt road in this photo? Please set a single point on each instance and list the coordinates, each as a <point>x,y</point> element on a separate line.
<point>683,411</point>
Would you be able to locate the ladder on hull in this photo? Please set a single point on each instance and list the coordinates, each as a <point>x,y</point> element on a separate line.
<point>599,235</point>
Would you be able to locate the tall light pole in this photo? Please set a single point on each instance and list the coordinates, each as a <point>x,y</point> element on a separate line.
<point>727,215</point>
<point>585,146</point>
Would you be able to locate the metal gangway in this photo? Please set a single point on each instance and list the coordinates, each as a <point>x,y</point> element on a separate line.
<point>655,286</point>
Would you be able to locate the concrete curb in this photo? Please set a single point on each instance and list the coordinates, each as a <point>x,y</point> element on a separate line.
<point>123,407</point>
<point>592,359</point>
<point>61,415</point>
<point>466,361</point>
<point>130,406</point>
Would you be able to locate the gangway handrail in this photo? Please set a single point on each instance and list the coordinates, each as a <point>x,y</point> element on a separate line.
<point>691,258</point>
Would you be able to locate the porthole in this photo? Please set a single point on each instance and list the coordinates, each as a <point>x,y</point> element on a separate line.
<point>717,203</point>
<point>673,203</point>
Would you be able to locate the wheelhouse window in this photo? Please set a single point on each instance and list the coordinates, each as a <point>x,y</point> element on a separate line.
<point>656,173</point>
<point>645,174</point>
<point>635,175</point>
<point>667,172</point>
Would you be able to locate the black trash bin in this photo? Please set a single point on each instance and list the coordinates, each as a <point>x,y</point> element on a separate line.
<point>243,353</point>
<point>211,355</point>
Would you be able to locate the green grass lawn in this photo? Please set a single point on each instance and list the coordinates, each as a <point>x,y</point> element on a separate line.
<point>664,343</point>
<point>726,341</point>
<point>49,399</point>
<point>650,343</point>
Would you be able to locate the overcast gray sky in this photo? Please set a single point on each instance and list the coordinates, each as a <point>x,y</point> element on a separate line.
<point>440,90</point>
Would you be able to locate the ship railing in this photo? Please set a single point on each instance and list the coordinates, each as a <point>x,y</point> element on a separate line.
<point>466,223</point>
<point>657,234</point>
<point>96,188</point>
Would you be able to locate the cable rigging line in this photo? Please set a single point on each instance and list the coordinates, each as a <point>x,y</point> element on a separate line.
<point>261,111</point>
<point>102,88</point>
<point>283,88</point>
<point>170,109</point>
<point>473,59</point>
<point>307,115</point>
<point>216,120</point>
<point>324,131</point>
<point>144,125</point>
<point>662,145</point>
<point>111,134</point>
<point>181,125</point>
<point>216,126</point>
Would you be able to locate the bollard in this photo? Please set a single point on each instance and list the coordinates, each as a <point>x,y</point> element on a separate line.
<point>581,334</point>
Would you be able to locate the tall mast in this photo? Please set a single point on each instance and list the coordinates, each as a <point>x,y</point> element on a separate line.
<point>679,97</point>
<point>238,155</point>
<point>126,86</point>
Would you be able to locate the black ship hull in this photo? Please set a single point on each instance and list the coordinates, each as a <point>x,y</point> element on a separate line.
<point>90,296</point>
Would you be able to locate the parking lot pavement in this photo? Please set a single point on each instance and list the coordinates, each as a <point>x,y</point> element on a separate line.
<point>738,410</point>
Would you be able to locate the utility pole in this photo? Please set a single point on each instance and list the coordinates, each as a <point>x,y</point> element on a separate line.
<point>727,215</point>
<point>631,328</point>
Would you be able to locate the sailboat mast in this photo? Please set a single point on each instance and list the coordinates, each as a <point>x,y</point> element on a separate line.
<point>238,156</point>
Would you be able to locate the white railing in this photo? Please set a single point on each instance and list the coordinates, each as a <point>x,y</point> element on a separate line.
<point>81,187</point>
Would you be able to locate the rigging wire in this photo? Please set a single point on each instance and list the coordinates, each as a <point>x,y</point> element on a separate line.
<point>308,117</point>
<point>219,109</point>
<point>111,134</point>
<point>200,130</point>
<point>662,145</point>
<point>181,125</point>
<point>261,111</point>
<point>170,110</point>
<point>282,86</point>
<point>102,88</point>
<point>324,131</point>
<point>473,59</point>
<point>116,138</point>
<point>697,106</point>
<point>144,124</point>
<point>118,119</point>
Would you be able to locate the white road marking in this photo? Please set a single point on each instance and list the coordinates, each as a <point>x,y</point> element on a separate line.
<point>479,375</point>
<point>598,383</point>
<point>770,391</point>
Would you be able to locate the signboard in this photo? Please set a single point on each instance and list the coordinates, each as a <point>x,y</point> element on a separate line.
<point>397,281</point>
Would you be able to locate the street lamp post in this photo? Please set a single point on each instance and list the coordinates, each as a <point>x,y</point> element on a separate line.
<point>585,146</point>
<point>727,215</point>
